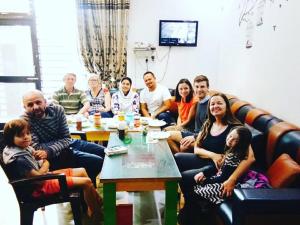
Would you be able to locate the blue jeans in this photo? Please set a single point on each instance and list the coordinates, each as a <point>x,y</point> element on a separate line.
<point>89,156</point>
<point>108,114</point>
<point>167,117</point>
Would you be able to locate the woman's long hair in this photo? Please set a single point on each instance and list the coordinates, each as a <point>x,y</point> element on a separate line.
<point>241,148</point>
<point>228,119</point>
<point>190,95</point>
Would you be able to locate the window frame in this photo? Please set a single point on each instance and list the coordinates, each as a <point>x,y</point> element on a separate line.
<point>24,19</point>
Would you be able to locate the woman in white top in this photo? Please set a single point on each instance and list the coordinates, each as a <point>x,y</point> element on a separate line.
<point>125,100</point>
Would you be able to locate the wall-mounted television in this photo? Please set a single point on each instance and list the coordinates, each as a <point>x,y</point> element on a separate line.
<point>178,33</point>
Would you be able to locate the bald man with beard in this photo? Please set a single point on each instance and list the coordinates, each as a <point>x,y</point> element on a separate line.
<point>51,137</point>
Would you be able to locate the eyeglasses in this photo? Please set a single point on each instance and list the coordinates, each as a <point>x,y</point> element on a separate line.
<point>93,80</point>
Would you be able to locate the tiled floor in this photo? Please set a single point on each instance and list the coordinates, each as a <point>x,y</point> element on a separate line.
<point>61,214</point>
<point>146,210</point>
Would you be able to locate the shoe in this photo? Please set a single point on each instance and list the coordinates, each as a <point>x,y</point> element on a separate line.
<point>181,218</point>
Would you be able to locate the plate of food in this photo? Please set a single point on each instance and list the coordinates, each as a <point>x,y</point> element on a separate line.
<point>160,135</point>
<point>156,123</point>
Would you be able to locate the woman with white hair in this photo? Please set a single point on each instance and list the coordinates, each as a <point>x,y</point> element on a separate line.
<point>125,100</point>
<point>98,97</point>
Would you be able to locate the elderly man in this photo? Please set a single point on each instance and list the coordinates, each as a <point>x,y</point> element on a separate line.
<point>155,99</point>
<point>51,137</point>
<point>181,141</point>
<point>73,100</point>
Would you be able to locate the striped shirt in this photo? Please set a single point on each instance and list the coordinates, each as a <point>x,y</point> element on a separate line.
<point>72,102</point>
<point>50,133</point>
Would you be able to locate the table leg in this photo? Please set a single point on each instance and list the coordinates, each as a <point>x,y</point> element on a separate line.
<point>171,203</point>
<point>109,203</point>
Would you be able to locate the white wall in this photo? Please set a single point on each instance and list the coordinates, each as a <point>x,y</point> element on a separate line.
<point>184,62</point>
<point>267,74</point>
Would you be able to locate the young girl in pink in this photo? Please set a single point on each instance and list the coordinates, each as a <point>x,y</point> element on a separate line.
<point>23,162</point>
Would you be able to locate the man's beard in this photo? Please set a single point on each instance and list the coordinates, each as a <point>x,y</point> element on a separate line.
<point>37,113</point>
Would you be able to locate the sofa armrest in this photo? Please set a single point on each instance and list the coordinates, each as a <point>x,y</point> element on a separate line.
<point>263,201</point>
<point>275,197</point>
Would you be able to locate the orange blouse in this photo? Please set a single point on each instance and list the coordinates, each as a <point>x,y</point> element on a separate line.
<point>184,108</point>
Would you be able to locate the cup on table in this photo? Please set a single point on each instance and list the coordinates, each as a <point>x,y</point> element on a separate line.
<point>137,120</point>
<point>129,117</point>
<point>78,123</point>
<point>121,129</point>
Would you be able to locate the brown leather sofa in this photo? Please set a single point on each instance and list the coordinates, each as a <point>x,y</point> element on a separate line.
<point>276,146</point>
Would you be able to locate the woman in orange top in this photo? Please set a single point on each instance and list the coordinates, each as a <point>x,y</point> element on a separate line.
<point>186,103</point>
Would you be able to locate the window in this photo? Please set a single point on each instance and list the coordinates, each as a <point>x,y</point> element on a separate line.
<point>36,49</point>
<point>19,64</point>
<point>57,36</point>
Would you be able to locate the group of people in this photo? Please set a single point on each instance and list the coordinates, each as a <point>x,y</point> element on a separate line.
<point>210,146</point>
<point>213,158</point>
<point>153,101</point>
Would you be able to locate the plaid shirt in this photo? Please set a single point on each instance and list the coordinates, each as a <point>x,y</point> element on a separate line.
<point>72,102</point>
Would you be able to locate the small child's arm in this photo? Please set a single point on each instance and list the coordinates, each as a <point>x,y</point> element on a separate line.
<point>199,177</point>
<point>43,170</point>
<point>203,175</point>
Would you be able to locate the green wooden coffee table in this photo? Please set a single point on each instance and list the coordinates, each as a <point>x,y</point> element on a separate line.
<point>146,167</point>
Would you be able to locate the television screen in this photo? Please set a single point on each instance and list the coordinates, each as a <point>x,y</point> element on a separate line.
<point>178,33</point>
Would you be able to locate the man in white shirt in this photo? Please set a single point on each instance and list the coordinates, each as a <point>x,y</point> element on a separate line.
<point>155,99</point>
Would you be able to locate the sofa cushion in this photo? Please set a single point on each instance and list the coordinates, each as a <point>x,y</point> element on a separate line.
<point>258,144</point>
<point>283,171</point>
<point>253,114</point>
<point>275,133</point>
<point>289,143</point>
<point>261,123</point>
<point>242,112</point>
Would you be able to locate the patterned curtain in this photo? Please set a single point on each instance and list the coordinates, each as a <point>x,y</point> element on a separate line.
<point>103,26</point>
